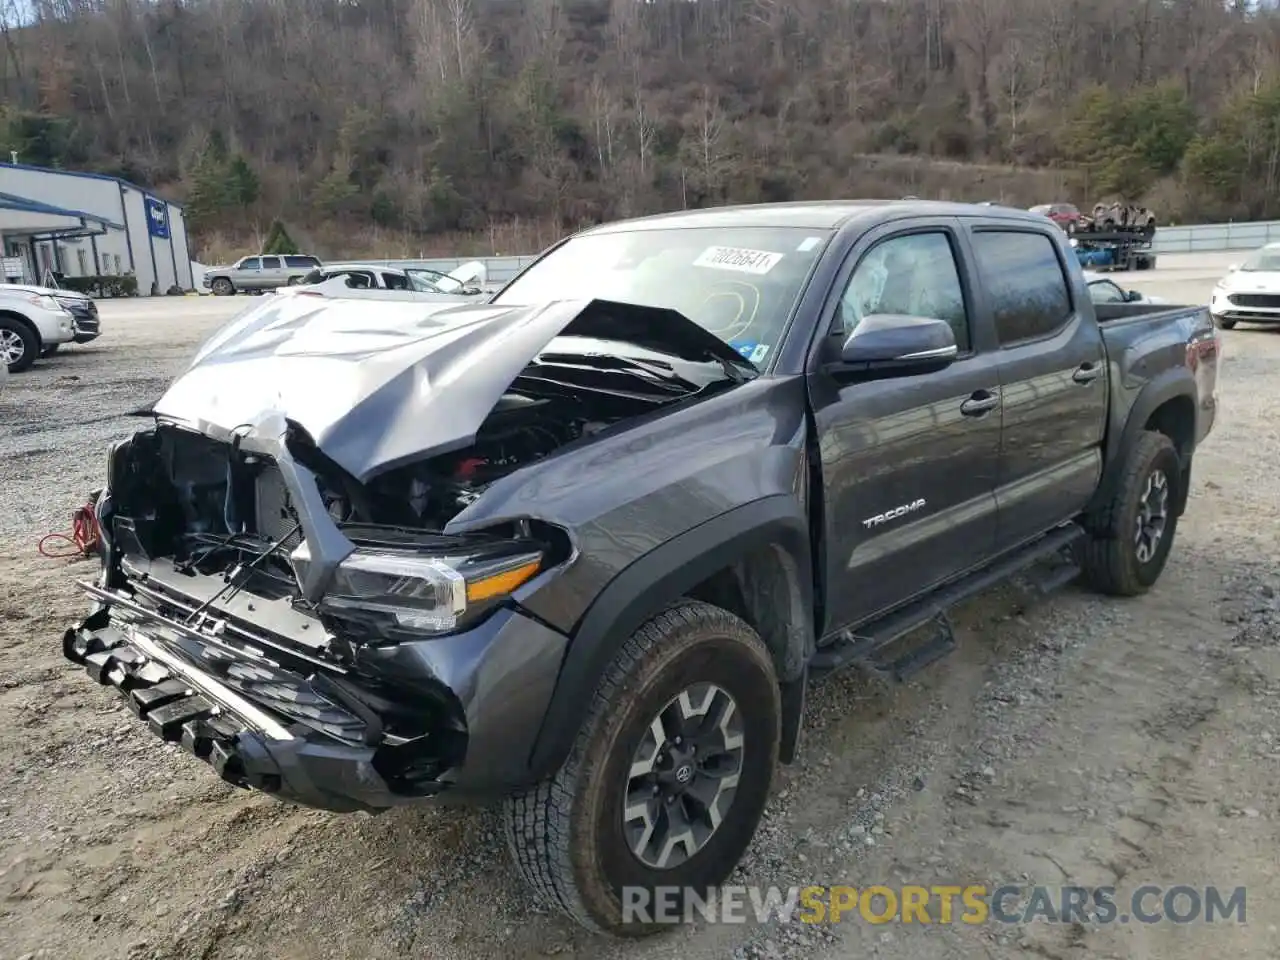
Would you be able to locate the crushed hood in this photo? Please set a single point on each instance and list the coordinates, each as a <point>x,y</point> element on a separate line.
<point>380,385</point>
<point>473,271</point>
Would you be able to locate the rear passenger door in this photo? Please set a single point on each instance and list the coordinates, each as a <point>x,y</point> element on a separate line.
<point>273,274</point>
<point>1052,378</point>
<point>909,463</point>
<point>296,267</point>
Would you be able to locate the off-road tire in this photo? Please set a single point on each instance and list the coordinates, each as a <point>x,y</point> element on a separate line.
<point>566,833</point>
<point>1109,558</point>
<point>222,287</point>
<point>30,342</point>
<point>1225,324</point>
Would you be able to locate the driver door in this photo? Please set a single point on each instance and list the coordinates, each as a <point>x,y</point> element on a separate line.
<point>909,464</point>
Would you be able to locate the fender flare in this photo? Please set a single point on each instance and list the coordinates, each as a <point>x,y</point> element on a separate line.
<point>662,576</point>
<point>1169,385</point>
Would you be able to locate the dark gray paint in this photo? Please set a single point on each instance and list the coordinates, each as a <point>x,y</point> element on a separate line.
<point>783,467</point>
<point>502,674</point>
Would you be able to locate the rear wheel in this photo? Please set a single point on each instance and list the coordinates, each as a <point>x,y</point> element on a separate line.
<point>1132,535</point>
<point>667,780</point>
<point>19,345</point>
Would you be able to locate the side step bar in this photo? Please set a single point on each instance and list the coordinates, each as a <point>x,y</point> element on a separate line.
<point>868,644</point>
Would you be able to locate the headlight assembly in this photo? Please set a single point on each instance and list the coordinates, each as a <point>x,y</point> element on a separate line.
<point>392,594</point>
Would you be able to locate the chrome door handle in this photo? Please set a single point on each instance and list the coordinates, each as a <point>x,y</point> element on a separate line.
<point>1086,373</point>
<point>980,403</point>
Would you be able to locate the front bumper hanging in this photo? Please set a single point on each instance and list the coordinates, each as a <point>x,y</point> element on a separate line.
<point>247,745</point>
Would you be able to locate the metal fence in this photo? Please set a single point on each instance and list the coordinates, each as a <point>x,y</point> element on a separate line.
<point>1209,237</point>
<point>1192,238</point>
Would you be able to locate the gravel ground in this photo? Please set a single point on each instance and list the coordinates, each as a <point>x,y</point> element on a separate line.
<point>1072,740</point>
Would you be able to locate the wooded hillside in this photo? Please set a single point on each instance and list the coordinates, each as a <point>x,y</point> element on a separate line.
<point>352,118</point>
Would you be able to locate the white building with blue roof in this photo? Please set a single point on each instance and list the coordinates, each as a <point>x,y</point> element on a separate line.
<point>87,224</point>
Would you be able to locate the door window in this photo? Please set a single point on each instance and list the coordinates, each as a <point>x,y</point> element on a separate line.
<point>1024,279</point>
<point>250,263</point>
<point>1104,291</point>
<point>270,263</point>
<point>395,281</point>
<point>915,275</point>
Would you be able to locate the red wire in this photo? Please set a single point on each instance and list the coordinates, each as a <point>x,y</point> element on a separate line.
<point>84,539</point>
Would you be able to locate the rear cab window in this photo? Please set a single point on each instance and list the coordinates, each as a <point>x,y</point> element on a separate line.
<point>1025,282</point>
<point>300,262</point>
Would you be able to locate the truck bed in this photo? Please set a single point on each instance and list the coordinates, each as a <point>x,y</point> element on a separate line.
<point>1146,338</point>
<point>1111,313</point>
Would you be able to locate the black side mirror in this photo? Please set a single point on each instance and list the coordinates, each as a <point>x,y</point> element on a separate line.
<point>1133,295</point>
<point>894,345</point>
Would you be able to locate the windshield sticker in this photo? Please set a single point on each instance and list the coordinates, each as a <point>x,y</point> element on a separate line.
<point>807,244</point>
<point>738,259</point>
<point>759,353</point>
<point>746,347</point>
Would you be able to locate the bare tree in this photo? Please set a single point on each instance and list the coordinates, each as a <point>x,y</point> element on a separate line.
<point>452,115</point>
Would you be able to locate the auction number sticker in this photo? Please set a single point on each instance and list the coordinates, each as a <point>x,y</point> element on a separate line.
<point>738,259</point>
<point>750,350</point>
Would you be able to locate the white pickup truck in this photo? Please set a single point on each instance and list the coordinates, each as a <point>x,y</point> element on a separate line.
<point>32,324</point>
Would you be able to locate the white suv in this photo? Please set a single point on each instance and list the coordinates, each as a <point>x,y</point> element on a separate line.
<point>31,321</point>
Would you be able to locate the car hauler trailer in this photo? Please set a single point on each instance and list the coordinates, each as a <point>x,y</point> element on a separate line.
<point>1114,250</point>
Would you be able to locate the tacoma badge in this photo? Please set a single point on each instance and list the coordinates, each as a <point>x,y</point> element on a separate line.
<point>893,514</point>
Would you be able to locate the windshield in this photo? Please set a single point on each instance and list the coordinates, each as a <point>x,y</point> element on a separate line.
<point>429,281</point>
<point>739,284</point>
<point>1266,259</point>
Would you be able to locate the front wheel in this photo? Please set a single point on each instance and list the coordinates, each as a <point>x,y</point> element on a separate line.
<point>222,287</point>
<point>666,781</point>
<point>19,345</point>
<point>1225,324</point>
<point>1131,536</point>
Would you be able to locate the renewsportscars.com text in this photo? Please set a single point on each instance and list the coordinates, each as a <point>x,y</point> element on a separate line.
<point>936,904</point>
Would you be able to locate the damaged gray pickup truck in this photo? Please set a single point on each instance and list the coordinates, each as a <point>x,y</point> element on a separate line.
<point>583,547</point>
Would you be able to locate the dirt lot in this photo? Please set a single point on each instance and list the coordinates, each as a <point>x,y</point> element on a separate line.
<point>1068,741</point>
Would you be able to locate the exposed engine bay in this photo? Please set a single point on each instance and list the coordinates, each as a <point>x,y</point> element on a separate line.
<point>185,493</point>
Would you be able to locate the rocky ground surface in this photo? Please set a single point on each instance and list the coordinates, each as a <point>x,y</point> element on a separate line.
<point>1072,740</point>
